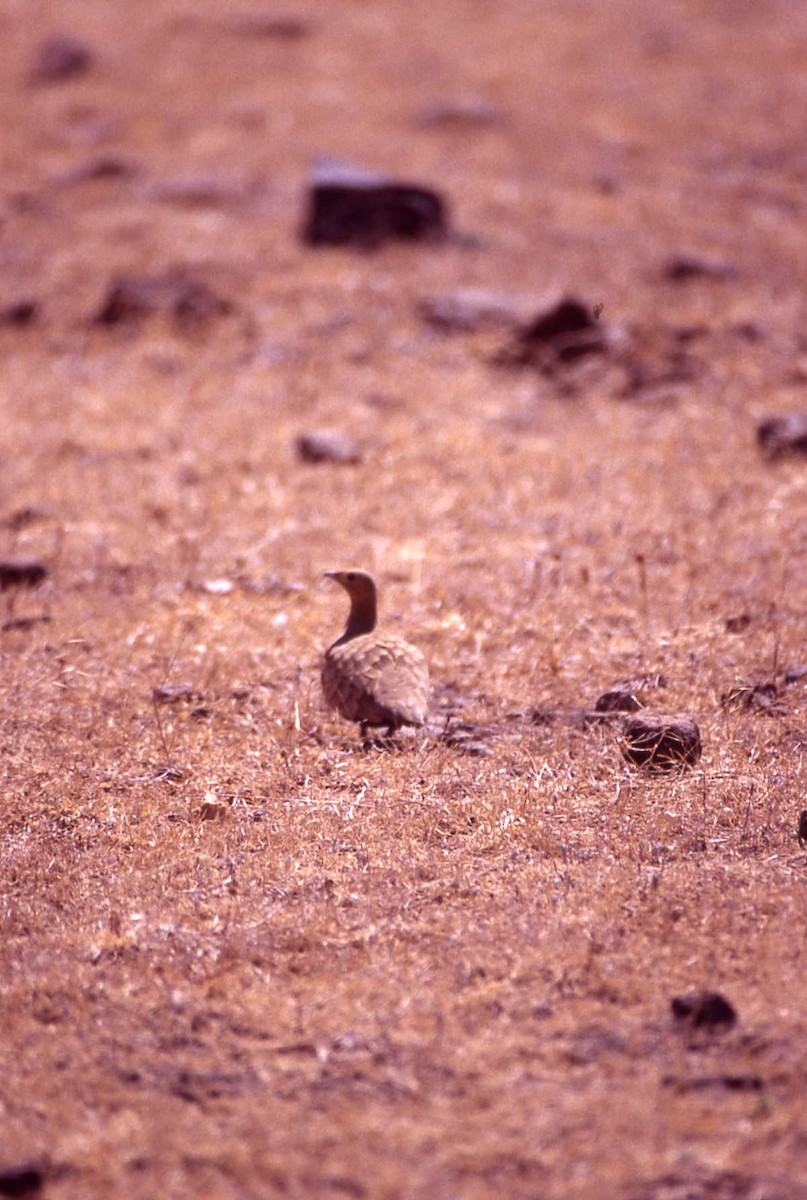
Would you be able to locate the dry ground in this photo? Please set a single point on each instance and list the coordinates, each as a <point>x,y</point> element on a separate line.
<point>415,973</point>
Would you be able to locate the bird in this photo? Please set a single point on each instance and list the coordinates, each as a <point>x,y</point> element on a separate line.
<point>376,679</point>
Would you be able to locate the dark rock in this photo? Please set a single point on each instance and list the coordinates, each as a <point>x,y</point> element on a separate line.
<point>661,743</point>
<point>797,674</point>
<point>738,624</point>
<point>683,267</point>
<point>778,436</point>
<point>132,297</point>
<point>704,1010</point>
<point>756,697</point>
<point>59,58</point>
<point>328,446</point>
<point>287,28</point>
<point>468,112</point>
<point>620,700</point>
<point>22,312</point>
<point>21,1181</point>
<point>349,206</point>
<point>565,330</point>
<point>21,573</point>
<point>802,835</point>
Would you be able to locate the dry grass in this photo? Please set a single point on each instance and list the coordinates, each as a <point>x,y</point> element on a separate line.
<point>411,973</point>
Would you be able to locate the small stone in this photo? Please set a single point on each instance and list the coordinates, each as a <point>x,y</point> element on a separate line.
<point>133,297</point>
<point>681,268</point>
<point>565,330</point>
<point>21,312</point>
<point>620,700</point>
<point>213,809</point>
<point>779,436</point>
<point>797,674</point>
<point>59,58</point>
<point>351,206</point>
<point>21,573</point>
<point>468,309</point>
<point>20,1181</point>
<point>172,693</point>
<point>704,1009</point>
<point>802,835</point>
<point>738,624</point>
<point>661,743</point>
<point>328,446</point>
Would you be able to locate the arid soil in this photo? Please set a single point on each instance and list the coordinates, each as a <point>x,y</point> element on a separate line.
<point>244,955</point>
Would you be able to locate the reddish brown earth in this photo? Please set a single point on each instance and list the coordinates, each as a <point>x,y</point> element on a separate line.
<point>242,956</point>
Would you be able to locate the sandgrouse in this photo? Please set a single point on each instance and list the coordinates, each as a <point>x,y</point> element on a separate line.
<point>374,678</point>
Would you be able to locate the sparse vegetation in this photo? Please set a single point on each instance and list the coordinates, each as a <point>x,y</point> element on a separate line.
<point>241,955</point>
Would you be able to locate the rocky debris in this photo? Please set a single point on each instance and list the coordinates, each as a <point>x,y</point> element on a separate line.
<point>564,330</point>
<point>24,1180</point>
<point>796,674</point>
<point>351,206</point>
<point>661,743</point>
<point>465,310</point>
<point>21,573</point>
<point>59,58</point>
<point>173,693</point>
<point>281,28</point>
<point>738,624</point>
<point>704,1010</point>
<point>802,831</point>
<point>466,112</point>
<point>681,268</point>
<point>133,297</point>
<point>328,446</point>
<point>618,701</point>
<point>468,737</point>
<point>754,697</point>
<point>21,312</point>
<point>780,436</point>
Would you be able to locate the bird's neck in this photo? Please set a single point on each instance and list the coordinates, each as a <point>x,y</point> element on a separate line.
<point>362,619</point>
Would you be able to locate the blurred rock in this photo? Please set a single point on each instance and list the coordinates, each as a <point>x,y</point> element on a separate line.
<point>738,624</point>
<point>172,693</point>
<point>467,309</point>
<point>779,436</point>
<point>328,446</point>
<point>661,743</point>
<point>59,58</point>
<point>21,312</point>
<point>27,1180</point>
<point>619,700</point>
<point>132,297</point>
<point>681,268</point>
<point>21,573</point>
<point>704,1010</point>
<point>351,206</point>
<point>796,674</point>
<point>565,330</point>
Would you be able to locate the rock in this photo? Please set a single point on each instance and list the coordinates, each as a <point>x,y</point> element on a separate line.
<point>350,206</point>
<point>59,58</point>
<point>802,834</point>
<point>738,624</point>
<point>467,309</point>
<point>681,268</point>
<point>327,446</point>
<point>26,1180</point>
<point>779,436</point>
<point>704,1009</point>
<point>563,331</point>
<point>21,312</point>
<point>661,743</point>
<point>755,697</point>
<point>132,297</point>
<point>620,700</point>
<point>797,674</point>
<point>21,573</point>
